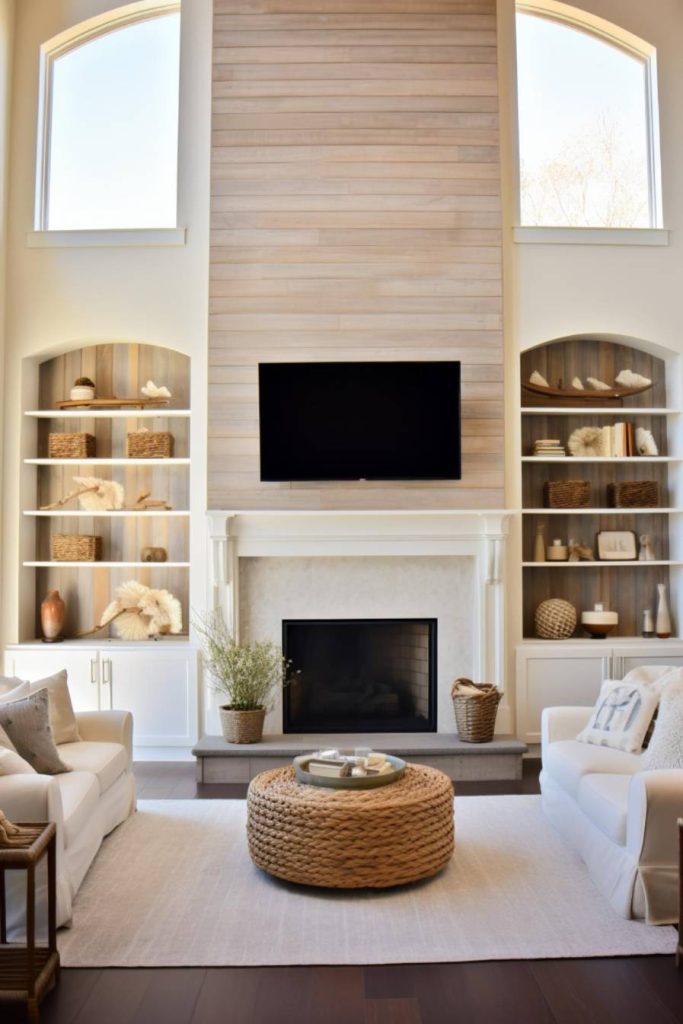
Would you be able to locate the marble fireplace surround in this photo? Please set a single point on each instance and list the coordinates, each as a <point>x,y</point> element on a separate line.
<point>270,566</point>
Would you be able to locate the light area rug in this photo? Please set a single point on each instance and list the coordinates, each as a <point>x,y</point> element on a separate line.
<point>174,886</point>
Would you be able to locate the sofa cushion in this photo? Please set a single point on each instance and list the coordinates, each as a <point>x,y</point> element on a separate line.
<point>567,761</point>
<point>80,797</point>
<point>621,715</point>
<point>62,717</point>
<point>105,760</point>
<point>27,723</point>
<point>604,799</point>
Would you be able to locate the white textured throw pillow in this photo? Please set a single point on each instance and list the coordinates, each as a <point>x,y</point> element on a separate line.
<point>14,693</point>
<point>666,745</point>
<point>62,717</point>
<point>621,715</point>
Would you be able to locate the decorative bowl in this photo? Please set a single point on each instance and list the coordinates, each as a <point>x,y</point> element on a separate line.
<point>599,624</point>
<point>366,782</point>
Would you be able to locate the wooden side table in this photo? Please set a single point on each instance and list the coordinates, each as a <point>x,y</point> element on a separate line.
<point>679,948</point>
<point>26,969</point>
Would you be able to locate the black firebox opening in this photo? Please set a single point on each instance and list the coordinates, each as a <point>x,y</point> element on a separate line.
<point>360,675</point>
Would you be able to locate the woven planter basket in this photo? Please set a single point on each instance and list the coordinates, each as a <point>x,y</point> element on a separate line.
<point>242,726</point>
<point>149,444</point>
<point>476,716</point>
<point>555,619</point>
<point>633,494</point>
<point>567,493</point>
<point>71,446</point>
<point>76,547</point>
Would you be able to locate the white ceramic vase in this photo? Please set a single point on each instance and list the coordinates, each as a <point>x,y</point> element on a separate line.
<point>663,623</point>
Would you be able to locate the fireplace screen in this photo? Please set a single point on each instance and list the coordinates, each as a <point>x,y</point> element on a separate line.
<point>360,675</point>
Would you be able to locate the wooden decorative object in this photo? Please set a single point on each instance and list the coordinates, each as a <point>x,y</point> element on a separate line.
<point>349,839</point>
<point>475,716</point>
<point>586,396</point>
<point>76,547</point>
<point>555,619</point>
<point>27,970</point>
<point>71,446</point>
<point>679,948</point>
<point>633,494</point>
<point>149,444</point>
<point>112,403</point>
<point>567,493</point>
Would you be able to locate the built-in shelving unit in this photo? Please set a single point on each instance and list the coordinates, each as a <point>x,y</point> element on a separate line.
<point>117,369</point>
<point>624,586</point>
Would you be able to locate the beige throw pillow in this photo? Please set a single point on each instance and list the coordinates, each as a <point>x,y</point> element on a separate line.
<point>27,723</point>
<point>666,745</point>
<point>62,717</point>
<point>621,715</point>
<point>15,692</point>
<point>12,763</point>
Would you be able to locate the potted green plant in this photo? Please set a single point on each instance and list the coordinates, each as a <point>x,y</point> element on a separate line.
<point>246,674</point>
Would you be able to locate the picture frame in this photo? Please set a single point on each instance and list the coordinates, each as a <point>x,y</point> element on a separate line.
<point>616,546</point>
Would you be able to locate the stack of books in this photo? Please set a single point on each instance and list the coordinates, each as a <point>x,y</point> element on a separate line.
<point>618,441</point>
<point>549,447</point>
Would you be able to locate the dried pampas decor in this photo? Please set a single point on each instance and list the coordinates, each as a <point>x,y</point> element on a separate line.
<point>586,441</point>
<point>597,385</point>
<point>645,442</point>
<point>96,495</point>
<point>629,379</point>
<point>141,613</point>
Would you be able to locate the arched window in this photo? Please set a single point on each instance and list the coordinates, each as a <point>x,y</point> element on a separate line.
<point>108,123</point>
<point>588,136</point>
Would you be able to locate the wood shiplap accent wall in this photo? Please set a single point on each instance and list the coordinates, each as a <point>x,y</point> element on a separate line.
<point>355,215</point>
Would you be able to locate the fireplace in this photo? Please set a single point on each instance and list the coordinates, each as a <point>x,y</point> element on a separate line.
<point>360,675</point>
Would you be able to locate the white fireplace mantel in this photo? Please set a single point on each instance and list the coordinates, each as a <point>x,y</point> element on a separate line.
<point>478,535</point>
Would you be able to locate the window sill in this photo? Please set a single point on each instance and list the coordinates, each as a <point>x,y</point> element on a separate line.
<point>105,238</point>
<point>590,236</point>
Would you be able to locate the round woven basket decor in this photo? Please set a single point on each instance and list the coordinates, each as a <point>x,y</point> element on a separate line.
<point>347,839</point>
<point>555,619</point>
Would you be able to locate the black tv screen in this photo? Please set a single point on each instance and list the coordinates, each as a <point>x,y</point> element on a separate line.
<point>360,421</point>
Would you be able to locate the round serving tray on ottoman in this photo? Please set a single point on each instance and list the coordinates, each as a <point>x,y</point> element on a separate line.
<point>347,781</point>
<point>351,838</point>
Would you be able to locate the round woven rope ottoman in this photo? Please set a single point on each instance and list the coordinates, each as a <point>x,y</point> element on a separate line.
<point>351,839</point>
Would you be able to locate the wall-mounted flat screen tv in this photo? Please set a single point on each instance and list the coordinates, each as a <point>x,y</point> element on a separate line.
<point>360,421</point>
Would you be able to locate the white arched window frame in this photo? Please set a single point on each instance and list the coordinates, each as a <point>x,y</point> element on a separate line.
<point>50,51</point>
<point>636,47</point>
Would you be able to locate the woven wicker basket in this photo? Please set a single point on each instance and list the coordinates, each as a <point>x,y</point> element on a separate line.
<point>633,494</point>
<point>242,726</point>
<point>476,716</point>
<point>71,446</point>
<point>149,444</point>
<point>76,547</point>
<point>567,493</point>
<point>555,619</point>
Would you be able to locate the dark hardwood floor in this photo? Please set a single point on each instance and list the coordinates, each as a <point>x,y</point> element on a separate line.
<point>624,990</point>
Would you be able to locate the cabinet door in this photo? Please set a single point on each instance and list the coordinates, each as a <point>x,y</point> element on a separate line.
<point>629,658</point>
<point>159,687</point>
<point>81,666</point>
<point>555,678</point>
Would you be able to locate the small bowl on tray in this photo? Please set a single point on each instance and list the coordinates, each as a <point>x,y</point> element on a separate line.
<point>348,781</point>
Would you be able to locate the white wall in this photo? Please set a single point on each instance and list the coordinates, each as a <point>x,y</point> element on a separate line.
<point>62,298</point>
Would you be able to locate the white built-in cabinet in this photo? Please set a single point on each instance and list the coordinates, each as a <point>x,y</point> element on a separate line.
<point>570,673</point>
<point>156,682</point>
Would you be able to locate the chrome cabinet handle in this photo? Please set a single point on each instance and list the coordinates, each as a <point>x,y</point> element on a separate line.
<point>106,665</point>
<point>93,671</point>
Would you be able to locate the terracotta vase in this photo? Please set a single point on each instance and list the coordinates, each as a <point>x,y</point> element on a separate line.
<point>52,612</point>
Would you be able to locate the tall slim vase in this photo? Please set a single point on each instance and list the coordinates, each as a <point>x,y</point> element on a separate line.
<point>663,624</point>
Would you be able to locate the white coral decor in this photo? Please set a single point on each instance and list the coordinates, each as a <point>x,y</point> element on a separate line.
<point>139,612</point>
<point>150,390</point>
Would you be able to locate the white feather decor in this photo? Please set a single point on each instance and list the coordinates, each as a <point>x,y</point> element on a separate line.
<point>586,441</point>
<point>645,442</point>
<point>629,379</point>
<point>150,390</point>
<point>597,385</point>
<point>539,379</point>
<point>139,612</point>
<point>578,384</point>
<point>99,495</point>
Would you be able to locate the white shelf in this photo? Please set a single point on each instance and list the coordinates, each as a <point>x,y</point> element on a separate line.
<point>106,414</point>
<point>57,513</point>
<point>107,462</point>
<point>600,511</point>
<point>624,563</point>
<point>601,458</point>
<point>107,565</point>
<point>548,410</point>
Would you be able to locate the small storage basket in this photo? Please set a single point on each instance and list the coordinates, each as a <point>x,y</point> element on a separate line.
<point>71,446</point>
<point>567,493</point>
<point>148,444</point>
<point>76,547</point>
<point>633,494</point>
<point>475,717</point>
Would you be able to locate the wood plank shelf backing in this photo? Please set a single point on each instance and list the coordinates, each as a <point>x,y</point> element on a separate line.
<point>119,369</point>
<point>626,587</point>
<point>355,215</point>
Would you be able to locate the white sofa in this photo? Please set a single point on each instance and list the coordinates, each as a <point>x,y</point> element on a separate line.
<point>620,818</point>
<point>85,803</point>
